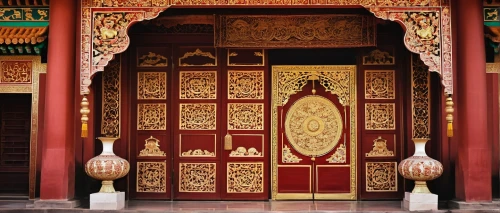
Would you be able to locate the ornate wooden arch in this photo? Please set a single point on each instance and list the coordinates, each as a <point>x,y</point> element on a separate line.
<point>104,27</point>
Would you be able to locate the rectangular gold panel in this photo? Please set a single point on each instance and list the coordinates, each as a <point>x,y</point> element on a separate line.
<point>151,85</point>
<point>16,72</point>
<point>193,147</point>
<point>151,177</point>
<point>245,116</point>
<point>198,116</point>
<point>381,177</point>
<point>380,116</point>
<point>198,84</point>
<point>197,177</point>
<point>379,84</point>
<point>245,84</point>
<point>245,177</point>
<point>151,116</point>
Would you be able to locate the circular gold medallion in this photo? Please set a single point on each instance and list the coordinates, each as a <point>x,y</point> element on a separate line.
<point>313,125</point>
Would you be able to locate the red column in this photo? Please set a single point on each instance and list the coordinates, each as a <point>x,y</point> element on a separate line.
<point>58,159</point>
<point>473,171</point>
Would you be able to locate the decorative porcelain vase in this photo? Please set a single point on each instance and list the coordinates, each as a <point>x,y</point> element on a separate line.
<point>107,167</point>
<point>420,167</point>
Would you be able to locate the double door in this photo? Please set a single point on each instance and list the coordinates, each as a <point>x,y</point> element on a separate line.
<point>198,127</point>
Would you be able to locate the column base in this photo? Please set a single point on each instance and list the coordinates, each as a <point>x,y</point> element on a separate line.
<point>107,201</point>
<point>420,201</point>
<point>56,204</point>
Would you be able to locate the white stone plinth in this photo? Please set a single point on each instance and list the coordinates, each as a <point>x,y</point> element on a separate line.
<point>420,201</point>
<point>107,201</point>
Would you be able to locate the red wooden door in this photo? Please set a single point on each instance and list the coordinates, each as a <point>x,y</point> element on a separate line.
<point>315,138</point>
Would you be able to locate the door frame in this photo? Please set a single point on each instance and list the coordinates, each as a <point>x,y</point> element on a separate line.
<point>280,94</point>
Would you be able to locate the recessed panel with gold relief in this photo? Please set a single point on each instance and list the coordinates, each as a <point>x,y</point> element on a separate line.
<point>380,116</point>
<point>151,116</point>
<point>379,84</point>
<point>197,116</point>
<point>16,72</point>
<point>245,116</point>
<point>245,57</point>
<point>244,177</point>
<point>151,177</point>
<point>197,145</point>
<point>381,177</point>
<point>197,177</point>
<point>151,85</point>
<point>198,85</point>
<point>245,84</point>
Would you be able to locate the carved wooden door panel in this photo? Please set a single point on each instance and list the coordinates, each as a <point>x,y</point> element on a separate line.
<point>245,159</point>
<point>196,124</point>
<point>314,132</point>
<point>150,147</point>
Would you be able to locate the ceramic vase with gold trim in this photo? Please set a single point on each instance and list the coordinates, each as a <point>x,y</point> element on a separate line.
<point>420,167</point>
<point>107,167</point>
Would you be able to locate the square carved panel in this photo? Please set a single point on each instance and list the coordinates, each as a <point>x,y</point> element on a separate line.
<point>151,85</point>
<point>151,116</point>
<point>245,177</point>
<point>198,116</point>
<point>244,116</point>
<point>380,116</point>
<point>151,177</point>
<point>381,177</point>
<point>379,84</point>
<point>197,177</point>
<point>245,85</point>
<point>198,85</point>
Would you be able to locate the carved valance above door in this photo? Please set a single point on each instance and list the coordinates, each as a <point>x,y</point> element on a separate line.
<point>295,31</point>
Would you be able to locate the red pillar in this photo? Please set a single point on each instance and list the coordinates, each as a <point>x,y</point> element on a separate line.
<point>473,171</point>
<point>58,158</point>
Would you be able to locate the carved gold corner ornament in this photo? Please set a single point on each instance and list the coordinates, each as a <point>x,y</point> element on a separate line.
<point>152,148</point>
<point>257,31</point>
<point>339,156</point>
<point>151,85</point>
<point>152,60</point>
<point>197,177</point>
<point>197,153</point>
<point>243,152</point>
<point>245,84</point>
<point>312,133</point>
<point>420,99</point>
<point>381,177</point>
<point>380,116</point>
<point>288,157</point>
<point>380,84</point>
<point>245,177</point>
<point>198,84</point>
<point>378,57</point>
<point>151,177</point>
<point>111,83</point>
<point>380,149</point>
<point>200,53</point>
<point>492,67</point>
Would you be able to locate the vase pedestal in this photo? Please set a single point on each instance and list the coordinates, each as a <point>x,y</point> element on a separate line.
<point>107,201</point>
<point>420,201</point>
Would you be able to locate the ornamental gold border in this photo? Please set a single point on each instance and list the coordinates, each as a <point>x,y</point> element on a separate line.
<point>261,151</point>
<point>395,179</point>
<point>256,163</point>
<point>276,101</point>
<point>33,88</point>
<point>197,156</point>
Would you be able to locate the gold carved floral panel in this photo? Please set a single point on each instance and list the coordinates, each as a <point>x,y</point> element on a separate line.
<point>16,71</point>
<point>379,84</point>
<point>420,99</point>
<point>245,177</point>
<point>111,78</point>
<point>245,84</point>
<point>245,116</point>
<point>151,177</point>
<point>198,116</point>
<point>381,177</point>
<point>197,177</point>
<point>151,117</point>
<point>151,85</point>
<point>380,116</point>
<point>198,85</point>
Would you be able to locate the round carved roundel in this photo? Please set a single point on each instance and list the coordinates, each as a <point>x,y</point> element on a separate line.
<point>313,125</point>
